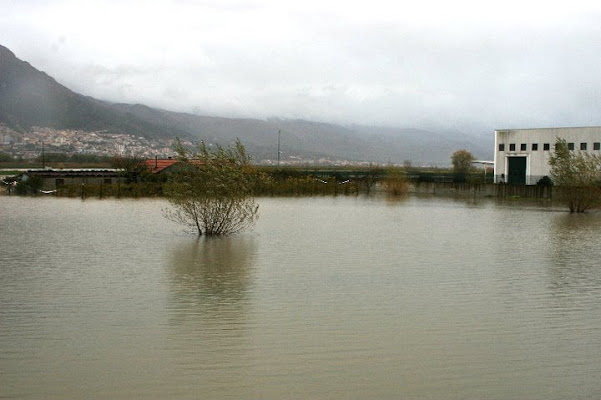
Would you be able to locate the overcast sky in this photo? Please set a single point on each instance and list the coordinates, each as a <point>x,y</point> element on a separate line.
<point>468,65</point>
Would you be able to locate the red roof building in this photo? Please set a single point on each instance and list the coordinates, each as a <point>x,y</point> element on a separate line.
<point>157,165</point>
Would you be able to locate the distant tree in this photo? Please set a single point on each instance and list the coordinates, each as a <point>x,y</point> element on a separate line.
<point>52,157</point>
<point>395,183</point>
<point>5,157</point>
<point>577,175</point>
<point>462,165</point>
<point>370,177</point>
<point>545,181</point>
<point>210,190</point>
<point>55,158</point>
<point>462,161</point>
<point>88,158</point>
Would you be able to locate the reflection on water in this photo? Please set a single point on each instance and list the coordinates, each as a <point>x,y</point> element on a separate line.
<point>574,271</point>
<point>209,280</point>
<point>328,298</point>
<point>572,238</point>
<point>211,273</point>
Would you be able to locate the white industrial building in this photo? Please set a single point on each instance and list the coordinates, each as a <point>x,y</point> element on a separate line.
<point>522,155</point>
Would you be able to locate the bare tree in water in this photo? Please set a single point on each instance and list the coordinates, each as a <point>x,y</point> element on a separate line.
<point>210,190</point>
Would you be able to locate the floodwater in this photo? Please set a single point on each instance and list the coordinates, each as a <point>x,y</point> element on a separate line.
<point>327,298</point>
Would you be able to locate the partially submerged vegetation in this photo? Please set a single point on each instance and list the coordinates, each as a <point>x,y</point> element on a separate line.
<point>136,180</point>
<point>575,180</point>
<point>211,190</point>
<point>577,176</point>
<point>395,182</point>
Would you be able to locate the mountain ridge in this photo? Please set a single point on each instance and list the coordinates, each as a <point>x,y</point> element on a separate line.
<point>29,97</point>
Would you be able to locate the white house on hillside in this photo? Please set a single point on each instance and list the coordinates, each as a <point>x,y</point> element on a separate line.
<point>522,155</point>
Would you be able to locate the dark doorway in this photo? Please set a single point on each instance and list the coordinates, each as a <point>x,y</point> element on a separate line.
<point>517,171</point>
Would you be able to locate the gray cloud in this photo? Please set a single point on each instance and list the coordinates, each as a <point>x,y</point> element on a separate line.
<point>438,65</point>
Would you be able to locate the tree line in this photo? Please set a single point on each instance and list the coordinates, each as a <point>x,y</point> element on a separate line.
<point>56,158</point>
<point>213,189</point>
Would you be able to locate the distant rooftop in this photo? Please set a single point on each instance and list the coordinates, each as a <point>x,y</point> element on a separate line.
<point>156,165</point>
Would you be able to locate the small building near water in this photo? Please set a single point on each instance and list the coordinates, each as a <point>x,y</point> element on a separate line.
<point>50,179</point>
<point>522,155</point>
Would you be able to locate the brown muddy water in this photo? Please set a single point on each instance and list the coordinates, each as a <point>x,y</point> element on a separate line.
<point>327,298</point>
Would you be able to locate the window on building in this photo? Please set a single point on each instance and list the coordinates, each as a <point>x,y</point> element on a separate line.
<point>534,146</point>
<point>570,146</point>
<point>582,146</point>
<point>511,146</point>
<point>523,147</point>
<point>546,147</point>
<point>597,146</point>
<point>501,146</point>
<point>59,182</point>
<point>107,181</point>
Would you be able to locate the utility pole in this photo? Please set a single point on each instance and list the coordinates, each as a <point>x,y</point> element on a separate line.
<point>279,135</point>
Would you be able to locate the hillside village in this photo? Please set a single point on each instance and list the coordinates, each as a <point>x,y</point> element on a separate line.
<point>29,145</point>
